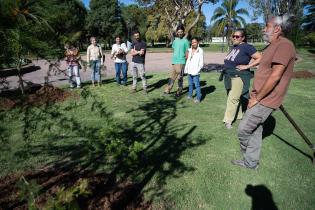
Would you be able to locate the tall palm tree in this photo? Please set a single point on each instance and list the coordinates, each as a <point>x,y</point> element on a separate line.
<point>309,18</point>
<point>226,17</point>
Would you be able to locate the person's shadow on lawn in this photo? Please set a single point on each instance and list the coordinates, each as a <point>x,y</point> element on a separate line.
<point>207,90</point>
<point>261,197</point>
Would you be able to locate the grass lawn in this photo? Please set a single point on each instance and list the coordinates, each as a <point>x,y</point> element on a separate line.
<point>308,60</point>
<point>177,151</point>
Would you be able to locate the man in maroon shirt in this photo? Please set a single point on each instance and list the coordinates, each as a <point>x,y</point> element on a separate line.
<point>269,88</point>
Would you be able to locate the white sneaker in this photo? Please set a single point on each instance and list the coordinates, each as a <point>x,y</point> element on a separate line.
<point>228,125</point>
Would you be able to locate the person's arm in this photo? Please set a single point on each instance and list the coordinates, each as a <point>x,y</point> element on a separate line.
<point>256,60</point>
<point>134,52</point>
<point>201,60</point>
<point>113,52</point>
<point>101,53</point>
<point>124,48</point>
<point>88,56</point>
<point>143,49</point>
<point>186,49</point>
<point>270,83</point>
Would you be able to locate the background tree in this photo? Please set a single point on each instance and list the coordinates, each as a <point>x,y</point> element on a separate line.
<point>36,28</point>
<point>177,11</point>
<point>199,30</point>
<point>269,8</point>
<point>104,20</point>
<point>22,22</point>
<point>67,18</point>
<point>227,17</point>
<point>135,18</point>
<point>309,23</point>
<point>254,32</point>
<point>309,18</point>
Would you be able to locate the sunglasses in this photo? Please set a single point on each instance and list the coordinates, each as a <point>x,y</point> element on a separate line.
<point>236,36</point>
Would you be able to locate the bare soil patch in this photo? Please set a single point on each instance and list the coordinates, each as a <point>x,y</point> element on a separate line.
<point>35,96</point>
<point>104,191</point>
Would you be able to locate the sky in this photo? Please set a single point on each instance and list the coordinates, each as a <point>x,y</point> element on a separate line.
<point>207,9</point>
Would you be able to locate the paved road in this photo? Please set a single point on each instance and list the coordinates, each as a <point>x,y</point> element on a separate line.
<point>155,62</point>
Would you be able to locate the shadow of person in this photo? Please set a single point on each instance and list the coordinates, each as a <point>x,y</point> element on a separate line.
<point>207,90</point>
<point>269,126</point>
<point>261,197</point>
<point>157,84</point>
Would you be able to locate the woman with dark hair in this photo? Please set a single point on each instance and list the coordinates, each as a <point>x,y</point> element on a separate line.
<point>119,51</point>
<point>73,60</point>
<point>193,66</point>
<point>237,75</point>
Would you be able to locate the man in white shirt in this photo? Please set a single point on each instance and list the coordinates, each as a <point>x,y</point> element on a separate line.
<point>119,51</point>
<point>95,60</point>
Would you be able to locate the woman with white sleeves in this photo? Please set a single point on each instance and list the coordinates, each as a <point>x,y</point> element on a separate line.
<point>193,66</point>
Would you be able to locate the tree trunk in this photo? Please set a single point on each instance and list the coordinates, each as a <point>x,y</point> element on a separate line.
<point>21,85</point>
<point>195,21</point>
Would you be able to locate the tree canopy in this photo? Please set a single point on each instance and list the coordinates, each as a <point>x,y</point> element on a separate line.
<point>227,17</point>
<point>104,19</point>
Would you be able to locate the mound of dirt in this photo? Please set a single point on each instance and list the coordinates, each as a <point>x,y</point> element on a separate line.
<point>36,96</point>
<point>104,191</point>
<point>303,74</point>
<point>47,95</point>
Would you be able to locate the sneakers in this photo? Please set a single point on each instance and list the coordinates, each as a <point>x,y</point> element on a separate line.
<point>189,97</point>
<point>242,163</point>
<point>196,101</point>
<point>228,125</point>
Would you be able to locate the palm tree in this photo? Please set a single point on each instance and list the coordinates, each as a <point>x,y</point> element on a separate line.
<point>226,17</point>
<point>309,18</point>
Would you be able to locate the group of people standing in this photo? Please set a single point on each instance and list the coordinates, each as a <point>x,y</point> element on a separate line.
<point>270,84</point>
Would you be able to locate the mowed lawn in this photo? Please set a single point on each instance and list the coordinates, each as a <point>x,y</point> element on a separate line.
<point>178,151</point>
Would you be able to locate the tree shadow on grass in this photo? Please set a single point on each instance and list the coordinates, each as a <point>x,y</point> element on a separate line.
<point>261,197</point>
<point>150,146</point>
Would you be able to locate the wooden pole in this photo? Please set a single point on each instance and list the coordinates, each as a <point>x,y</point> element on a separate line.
<point>297,128</point>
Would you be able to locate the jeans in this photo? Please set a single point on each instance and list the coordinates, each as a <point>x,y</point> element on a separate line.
<point>194,80</point>
<point>250,133</point>
<point>121,67</point>
<point>73,70</point>
<point>233,104</point>
<point>96,70</point>
<point>138,68</point>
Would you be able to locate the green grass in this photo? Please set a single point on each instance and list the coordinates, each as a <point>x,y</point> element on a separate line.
<point>178,151</point>
<point>307,63</point>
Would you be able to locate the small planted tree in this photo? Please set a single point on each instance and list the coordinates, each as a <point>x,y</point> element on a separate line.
<point>21,26</point>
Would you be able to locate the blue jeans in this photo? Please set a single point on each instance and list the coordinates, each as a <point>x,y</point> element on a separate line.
<point>194,79</point>
<point>96,70</point>
<point>73,70</point>
<point>121,67</point>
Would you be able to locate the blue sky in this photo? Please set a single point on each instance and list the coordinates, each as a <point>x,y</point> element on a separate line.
<point>207,9</point>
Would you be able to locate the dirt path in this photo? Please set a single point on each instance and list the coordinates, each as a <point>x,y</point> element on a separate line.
<point>155,62</point>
